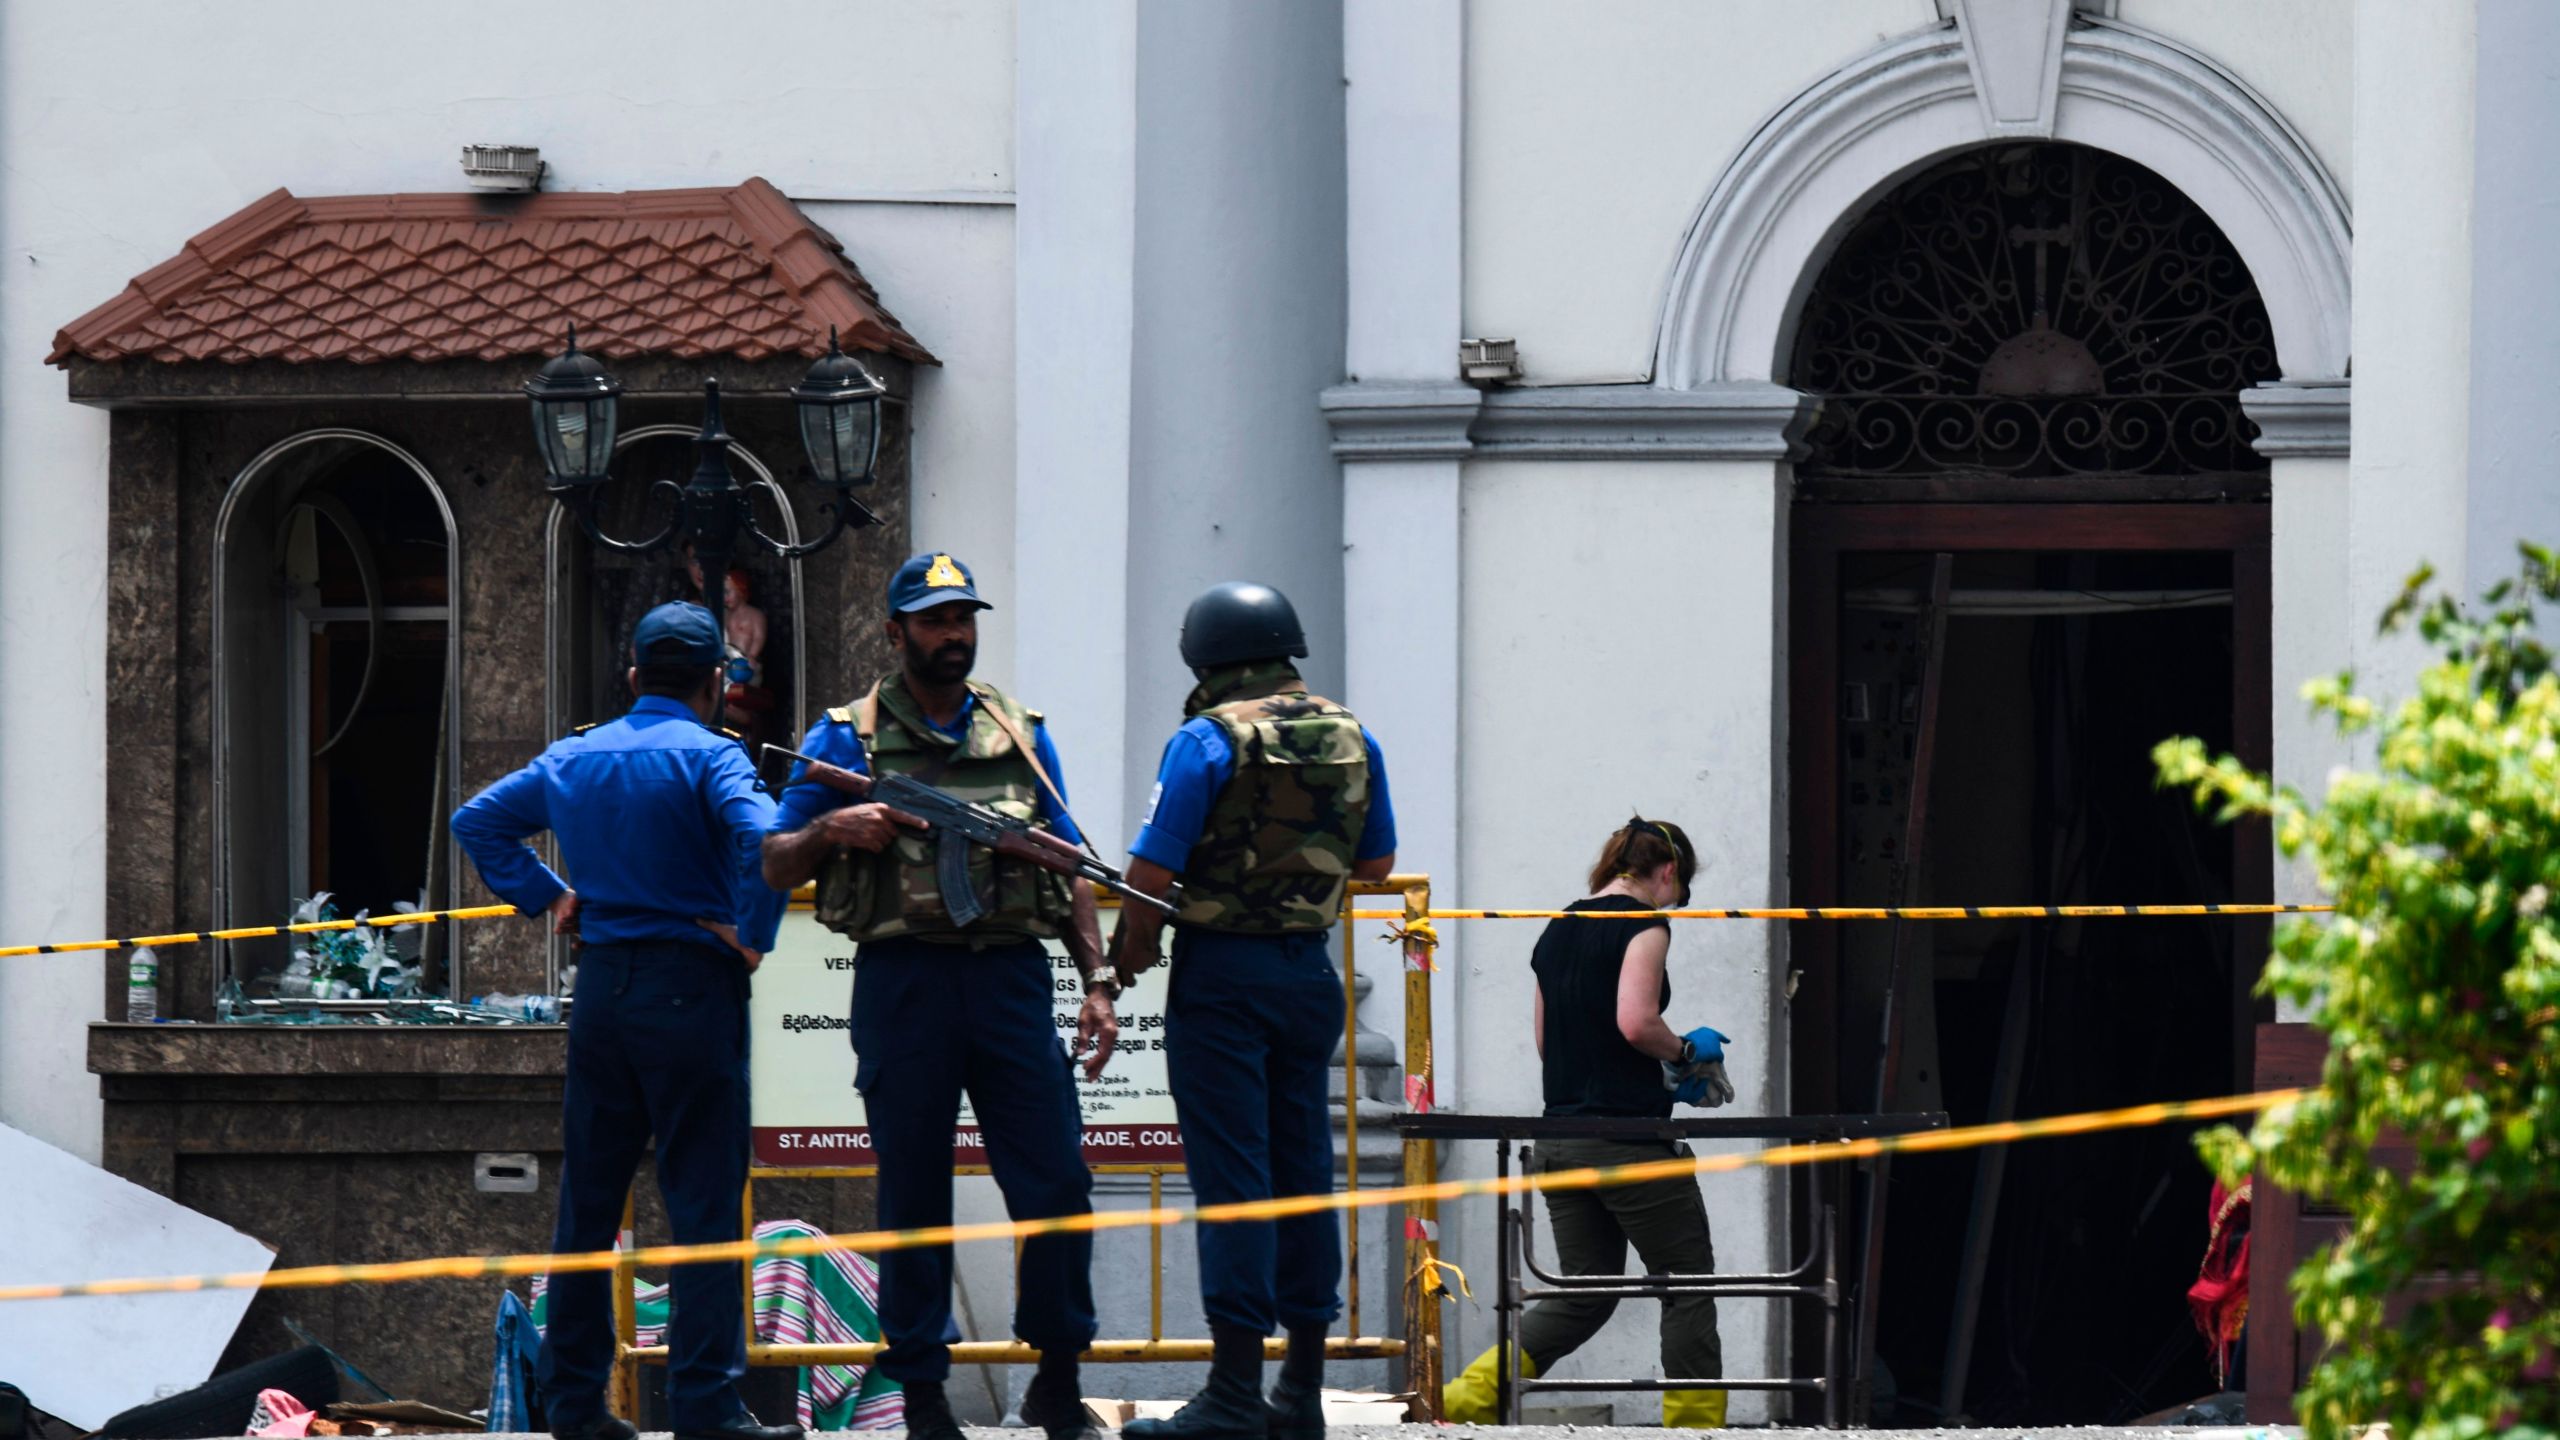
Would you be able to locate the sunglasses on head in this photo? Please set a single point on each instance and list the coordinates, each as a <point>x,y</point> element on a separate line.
<point>1678,851</point>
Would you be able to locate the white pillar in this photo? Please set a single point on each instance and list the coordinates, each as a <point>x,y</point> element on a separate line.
<point>2303,432</point>
<point>1075,235</point>
<point>2515,300</point>
<point>1400,428</point>
<point>1075,254</point>
<point>2415,66</point>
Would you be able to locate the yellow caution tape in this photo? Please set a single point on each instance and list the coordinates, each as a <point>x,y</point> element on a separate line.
<point>1419,932</point>
<point>1427,1271</point>
<point>260,932</point>
<point>1871,912</point>
<point>1600,1177</point>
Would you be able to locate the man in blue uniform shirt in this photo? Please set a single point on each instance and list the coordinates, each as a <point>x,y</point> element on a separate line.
<point>1269,800</point>
<point>940,1009</point>
<point>660,822</point>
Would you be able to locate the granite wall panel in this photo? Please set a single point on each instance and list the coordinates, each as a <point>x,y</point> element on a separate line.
<point>188,638</point>
<point>143,803</point>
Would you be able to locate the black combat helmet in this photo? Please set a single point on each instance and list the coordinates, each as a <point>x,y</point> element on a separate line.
<point>1239,621</point>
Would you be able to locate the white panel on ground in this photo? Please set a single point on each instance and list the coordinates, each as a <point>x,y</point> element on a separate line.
<point>63,1219</point>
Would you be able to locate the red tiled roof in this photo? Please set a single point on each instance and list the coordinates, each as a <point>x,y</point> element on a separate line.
<point>370,278</point>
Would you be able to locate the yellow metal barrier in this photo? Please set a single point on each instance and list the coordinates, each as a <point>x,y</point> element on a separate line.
<point>1417,1248</point>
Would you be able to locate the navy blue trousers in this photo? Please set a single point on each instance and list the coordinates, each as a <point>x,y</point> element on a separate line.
<point>931,1022</point>
<point>1251,1024</point>
<point>657,1046</point>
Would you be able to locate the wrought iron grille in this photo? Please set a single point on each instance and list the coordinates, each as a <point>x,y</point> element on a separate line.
<point>2034,311</point>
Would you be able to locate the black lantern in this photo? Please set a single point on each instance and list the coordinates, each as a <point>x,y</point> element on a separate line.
<point>839,404</point>
<point>574,404</point>
<point>575,409</point>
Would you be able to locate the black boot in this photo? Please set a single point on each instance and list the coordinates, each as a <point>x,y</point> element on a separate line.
<point>1054,1400</point>
<point>1229,1407</point>
<point>929,1412</point>
<point>1297,1401</point>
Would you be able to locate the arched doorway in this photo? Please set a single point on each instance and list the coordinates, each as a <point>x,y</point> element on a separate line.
<point>335,718</point>
<point>2029,541</point>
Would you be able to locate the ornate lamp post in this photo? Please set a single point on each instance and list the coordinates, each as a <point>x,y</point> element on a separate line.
<point>576,407</point>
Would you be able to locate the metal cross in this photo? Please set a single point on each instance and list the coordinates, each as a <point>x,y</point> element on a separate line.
<point>2040,236</point>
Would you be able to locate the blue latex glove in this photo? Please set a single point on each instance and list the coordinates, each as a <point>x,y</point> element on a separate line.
<point>1703,1044</point>
<point>1697,1077</point>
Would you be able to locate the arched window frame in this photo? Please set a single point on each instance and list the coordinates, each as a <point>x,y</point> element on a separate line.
<point>2121,347</point>
<point>228,780</point>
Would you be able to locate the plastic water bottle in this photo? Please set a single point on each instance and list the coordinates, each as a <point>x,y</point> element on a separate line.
<point>142,988</point>
<point>539,1009</point>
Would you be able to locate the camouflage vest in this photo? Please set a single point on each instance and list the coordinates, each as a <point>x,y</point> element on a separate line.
<point>895,892</point>
<point>1275,853</point>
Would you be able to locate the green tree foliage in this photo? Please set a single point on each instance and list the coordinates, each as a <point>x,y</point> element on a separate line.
<point>2437,981</point>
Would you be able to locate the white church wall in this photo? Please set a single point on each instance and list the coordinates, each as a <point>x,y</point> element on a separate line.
<point>946,271</point>
<point>2314,631</point>
<point>1591,136</point>
<point>2298,54</point>
<point>1621,653</point>
<point>2406,481</point>
<point>2515,308</point>
<point>127,127</point>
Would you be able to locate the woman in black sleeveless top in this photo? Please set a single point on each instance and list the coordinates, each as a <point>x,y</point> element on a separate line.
<point>1603,986</point>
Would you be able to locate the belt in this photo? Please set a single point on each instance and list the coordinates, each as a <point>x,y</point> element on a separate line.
<point>954,940</point>
<point>708,945</point>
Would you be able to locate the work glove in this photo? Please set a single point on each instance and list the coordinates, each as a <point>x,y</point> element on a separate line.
<point>1697,1077</point>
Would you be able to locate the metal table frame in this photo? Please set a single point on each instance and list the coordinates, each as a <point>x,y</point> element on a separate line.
<point>1815,1277</point>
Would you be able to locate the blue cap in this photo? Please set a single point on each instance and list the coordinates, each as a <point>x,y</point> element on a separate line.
<point>929,580</point>
<point>678,633</point>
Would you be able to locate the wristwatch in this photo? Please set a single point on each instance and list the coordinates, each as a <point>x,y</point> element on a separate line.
<point>1104,981</point>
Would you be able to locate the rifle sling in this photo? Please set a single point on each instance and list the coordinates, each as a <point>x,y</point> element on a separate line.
<point>1039,772</point>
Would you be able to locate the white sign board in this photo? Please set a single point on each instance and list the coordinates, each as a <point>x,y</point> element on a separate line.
<point>63,1220</point>
<point>807,1114</point>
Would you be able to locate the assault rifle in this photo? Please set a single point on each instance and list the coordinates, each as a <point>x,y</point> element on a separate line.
<point>958,824</point>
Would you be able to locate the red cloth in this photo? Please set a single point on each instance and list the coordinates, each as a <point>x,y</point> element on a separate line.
<point>2220,1297</point>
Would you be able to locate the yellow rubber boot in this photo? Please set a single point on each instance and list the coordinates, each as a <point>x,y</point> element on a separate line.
<point>1693,1409</point>
<point>1468,1400</point>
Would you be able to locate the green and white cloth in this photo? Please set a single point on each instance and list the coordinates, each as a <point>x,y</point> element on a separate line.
<point>830,1298</point>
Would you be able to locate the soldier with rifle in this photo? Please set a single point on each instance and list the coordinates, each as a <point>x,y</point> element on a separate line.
<point>953,989</point>
<point>1268,801</point>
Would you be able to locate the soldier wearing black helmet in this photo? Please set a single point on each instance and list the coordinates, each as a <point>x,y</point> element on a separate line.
<point>1267,802</point>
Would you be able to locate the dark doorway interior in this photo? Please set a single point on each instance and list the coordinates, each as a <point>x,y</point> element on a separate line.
<point>2062,670</point>
<point>2045,1286</point>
